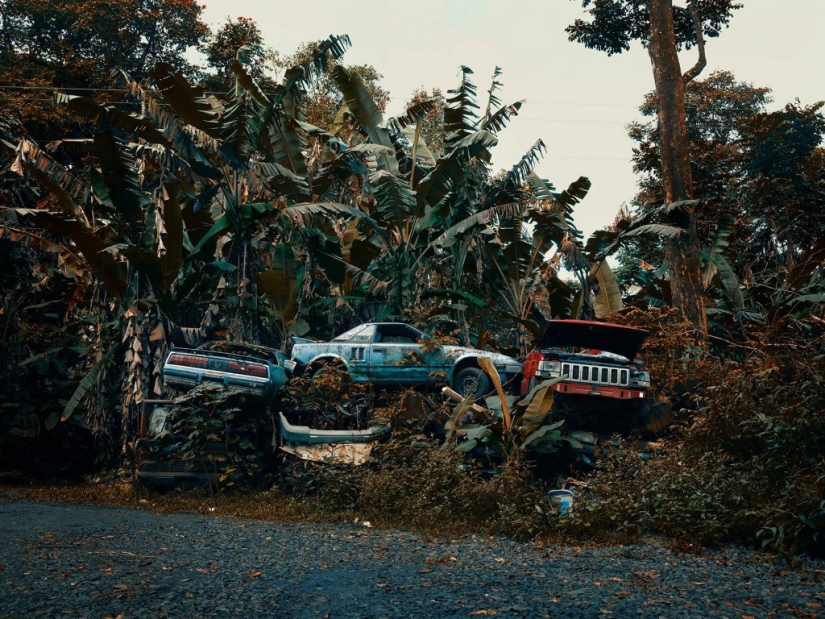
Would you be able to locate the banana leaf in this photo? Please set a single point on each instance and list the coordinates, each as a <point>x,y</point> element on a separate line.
<point>280,283</point>
<point>720,243</point>
<point>460,118</point>
<point>396,201</point>
<point>247,82</point>
<point>450,169</point>
<point>536,410</point>
<point>173,241</point>
<point>87,383</point>
<point>498,120</point>
<point>609,296</point>
<point>119,173</point>
<point>486,364</point>
<point>366,112</point>
<point>188,101</point>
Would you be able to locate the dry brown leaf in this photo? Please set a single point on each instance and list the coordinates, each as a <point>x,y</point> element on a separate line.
<point>255,574</point>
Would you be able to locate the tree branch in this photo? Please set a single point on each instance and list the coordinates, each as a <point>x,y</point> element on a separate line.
<point>700,42</point>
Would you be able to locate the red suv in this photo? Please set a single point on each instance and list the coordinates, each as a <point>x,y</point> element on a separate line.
<point>596,361</point>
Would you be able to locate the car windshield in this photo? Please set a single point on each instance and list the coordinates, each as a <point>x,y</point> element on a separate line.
<point>246,350</point>
<point>362,333</point>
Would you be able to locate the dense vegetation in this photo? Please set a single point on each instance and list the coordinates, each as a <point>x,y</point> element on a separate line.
<point>269,196</point>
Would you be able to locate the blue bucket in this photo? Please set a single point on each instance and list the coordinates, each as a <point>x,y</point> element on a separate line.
<point>563,500</point>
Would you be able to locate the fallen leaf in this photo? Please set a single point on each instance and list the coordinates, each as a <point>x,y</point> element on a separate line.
<point>814,604</point>
<point>484,612</point>
<point>120,586</point>
<point>748,617</point>
<point>577,549</point>
<point>424,570</point>
<point>254,575</point>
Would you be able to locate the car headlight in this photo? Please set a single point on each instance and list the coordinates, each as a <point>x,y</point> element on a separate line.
<point>640,378</point>
<point>549,369</point>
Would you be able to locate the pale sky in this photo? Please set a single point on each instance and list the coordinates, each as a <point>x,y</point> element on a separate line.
<point>578,100</point>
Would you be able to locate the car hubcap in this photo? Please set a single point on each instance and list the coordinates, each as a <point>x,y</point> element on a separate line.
<point>469,385</point>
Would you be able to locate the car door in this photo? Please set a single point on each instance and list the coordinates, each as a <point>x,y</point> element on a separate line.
<point>396,356</point>
<point>356,351</point>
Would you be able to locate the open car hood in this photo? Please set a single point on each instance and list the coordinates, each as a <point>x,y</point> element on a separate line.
<point>618,339</point>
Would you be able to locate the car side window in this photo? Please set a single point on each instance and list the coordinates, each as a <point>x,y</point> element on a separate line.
<point>360,334</point>
<point>364,336</point>
<point>398,334</point>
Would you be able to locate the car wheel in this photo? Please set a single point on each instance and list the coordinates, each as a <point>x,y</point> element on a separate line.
<point>472,381</point>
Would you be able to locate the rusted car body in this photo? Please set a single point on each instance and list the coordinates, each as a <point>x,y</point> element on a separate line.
<point>257,371</point>
<point>595,361</point>
<point>393,353</point>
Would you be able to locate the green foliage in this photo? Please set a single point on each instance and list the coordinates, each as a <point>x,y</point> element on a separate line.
<point>216,430</point>
<point>614,24</point>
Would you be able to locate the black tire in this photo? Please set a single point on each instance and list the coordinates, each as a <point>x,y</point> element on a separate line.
<point>472,381</point>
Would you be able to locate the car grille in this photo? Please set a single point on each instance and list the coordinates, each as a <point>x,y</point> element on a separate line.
<point>595,374</point>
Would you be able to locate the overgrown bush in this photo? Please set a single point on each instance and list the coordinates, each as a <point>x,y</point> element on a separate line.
<point>748,468</point>
<point>418,484</point>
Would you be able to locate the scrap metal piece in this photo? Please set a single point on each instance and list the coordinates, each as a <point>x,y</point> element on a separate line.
<point>311,436</point>
<point>355,454</point>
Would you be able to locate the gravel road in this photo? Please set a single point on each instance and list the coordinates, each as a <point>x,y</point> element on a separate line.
<point>61,560</point>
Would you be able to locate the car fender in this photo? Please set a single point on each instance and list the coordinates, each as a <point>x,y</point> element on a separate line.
<point>328,357</point>
<point>470,359</point>
<point>465,360</point>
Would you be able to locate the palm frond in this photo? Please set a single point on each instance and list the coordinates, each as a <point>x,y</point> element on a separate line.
<point>519,172</point>
<point>608,296</point>
<point>460,118</point>
<point>287,146</point>
<point>485,217</point>
<point>238,143</point>
<point>492,99</point>
<point>285,182</point>
<point>720,243</point>
<point>366,112</point>
<point>119,173</point>
<point>108,114</point>
<point>192,145</point>
<point>451,167</point>
<point>414,113</point>
<point>247,82</point>
<point>498,121</point>
<point>53,176</point>
<point>396,201</point>
<point>574,194</point>
<point>188,101</point>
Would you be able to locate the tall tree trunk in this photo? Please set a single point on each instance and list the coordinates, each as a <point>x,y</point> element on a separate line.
<point>682,251</point>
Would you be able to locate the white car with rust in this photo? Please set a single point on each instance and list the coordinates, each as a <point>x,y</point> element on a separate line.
<point>394,353</point>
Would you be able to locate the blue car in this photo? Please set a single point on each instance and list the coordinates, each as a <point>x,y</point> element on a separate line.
<point>396,354</point>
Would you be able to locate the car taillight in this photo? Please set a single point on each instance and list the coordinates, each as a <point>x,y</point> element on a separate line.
<point>191,361</point>
<point>249,369</point>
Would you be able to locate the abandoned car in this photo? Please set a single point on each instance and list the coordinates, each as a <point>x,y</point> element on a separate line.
<point>255,370</point>
<point>596,362</point>
<point>394,353</point>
